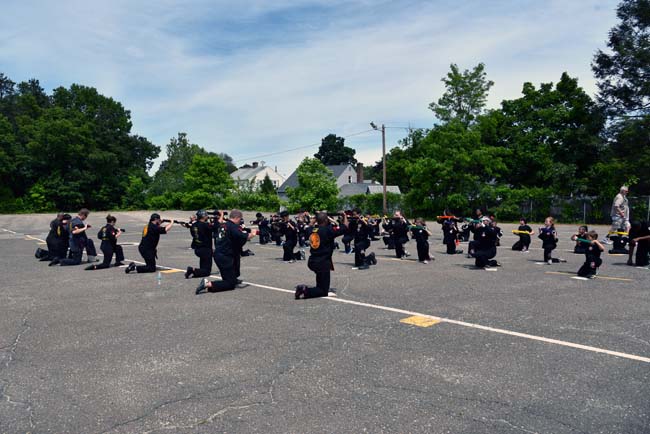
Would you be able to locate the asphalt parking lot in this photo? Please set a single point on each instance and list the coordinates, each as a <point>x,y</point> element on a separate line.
<point>403,347</point>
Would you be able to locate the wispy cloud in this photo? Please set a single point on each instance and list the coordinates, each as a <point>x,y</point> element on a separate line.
<point>250,78</point>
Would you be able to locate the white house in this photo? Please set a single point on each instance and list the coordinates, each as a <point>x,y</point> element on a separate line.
<point>255,174</point>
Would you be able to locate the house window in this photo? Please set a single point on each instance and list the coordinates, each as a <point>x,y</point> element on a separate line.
<point>349,180</point>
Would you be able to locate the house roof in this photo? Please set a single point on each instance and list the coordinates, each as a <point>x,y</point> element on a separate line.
<point>352,189</point>
<point>378,188</point>
<point>248,173</point>
<point>292,180</point>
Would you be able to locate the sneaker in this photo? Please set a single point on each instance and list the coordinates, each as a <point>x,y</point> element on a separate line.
<point>561,260</point>
<point>290,261</point>
<point>425,262</point>
<point>301,291</point>
<point>203,286</point>
<point>549,262</point>
<point>302,255</point>
<point>630,262</point>
<point>363,267</point>
<point>54,262</point>
<point>372,258</point>
<point>91,267</point>
<point>407,254</point>
<point>118,264</point>
<point>459,252</point>
<point>189,272</point>
<point>130,268</point>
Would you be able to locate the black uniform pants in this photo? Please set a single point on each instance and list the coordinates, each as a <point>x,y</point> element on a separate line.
<point>149,257</point>
<point>548,249</point>
<point>360,252</point>
<point>483,256</point>
<point>108,250</point>
<point>642,249</point>
<point>590,267</point>
<point>288,247</point>
<point>399,247</point>
<point>73,259</point>
<point>451,247</point>
<point>323,279</point>
<point>205,262</point>
<point>423,251</point>
<point>522,244</point>
<point>226,265</point>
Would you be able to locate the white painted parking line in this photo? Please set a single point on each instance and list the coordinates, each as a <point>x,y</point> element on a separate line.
<point>449,321</point>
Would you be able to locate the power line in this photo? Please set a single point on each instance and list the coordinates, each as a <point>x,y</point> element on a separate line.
<point>294,149</point>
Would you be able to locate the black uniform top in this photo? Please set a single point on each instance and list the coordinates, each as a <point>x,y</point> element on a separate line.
<point>150,236</point>
<point>229,239</point>
<point>291,235</point>
<point>592,252</point>
<point>77,241</point>
<point>360,230</point>
<point>449,230</point>
<point>321,241</point>
<point>263,224</point>
<point>420,234</point>
<point>54,224</point>
<point>486,238</point>
<point>548,236</point>
<point>108,233</point>
<point>62,233</point>
<point>398,228</point>
<point>201,234</point>
<point>525,228</point>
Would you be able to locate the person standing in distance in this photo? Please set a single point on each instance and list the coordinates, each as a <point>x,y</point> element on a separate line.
<point>621,211</point>
<point>149,243</point>
<point>228,243</point>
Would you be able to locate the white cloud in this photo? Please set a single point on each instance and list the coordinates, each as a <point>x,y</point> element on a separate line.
<point>335,76</point>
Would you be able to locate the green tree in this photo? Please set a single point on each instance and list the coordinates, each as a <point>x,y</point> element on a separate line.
<point>465,95</point>
<point>316,188</point>
<point>266,187</point>
<point>623,73</point>
<point>333,151</point>
<point>207,183</point>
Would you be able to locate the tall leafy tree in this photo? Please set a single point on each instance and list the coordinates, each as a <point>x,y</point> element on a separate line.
<point>333,151</point>
<point>465,95</point>
<point>623,73</point>
<point>316,189</point>
<point>207,182</point>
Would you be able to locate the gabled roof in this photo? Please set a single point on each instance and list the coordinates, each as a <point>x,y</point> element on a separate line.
<point>292,180</point>
<point>352,189</point>
<point>378,188</point>
<point>247,173</point>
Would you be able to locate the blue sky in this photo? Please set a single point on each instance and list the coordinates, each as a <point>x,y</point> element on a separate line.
<point>256,77</point>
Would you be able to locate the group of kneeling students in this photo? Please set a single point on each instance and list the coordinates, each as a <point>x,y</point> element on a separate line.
<point>215,237</point>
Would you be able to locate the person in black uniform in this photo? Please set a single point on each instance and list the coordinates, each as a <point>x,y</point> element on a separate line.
<point>548,235</point>
<point>450,234</point>
<point>108,235</point>
<point>289,229</point>
<point>264,226</point>
<point>47,255</point>
<point>485,244</point>
<point>592,256</point>
<point>321,243</point>
<point>201,232</point>
<point>228,245</point>
<point>524,232</point>
<point>398,229</point>
<point>580,247</point>
<point>79,240</point>
<point>360,230</point>
<point>149,243</point>
<point>421,234</point>
<point>61,241</point>
<point>639,236</point>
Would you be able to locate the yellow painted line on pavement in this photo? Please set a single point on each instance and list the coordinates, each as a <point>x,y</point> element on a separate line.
<point>171,270</point>
<point>420,321</point>
<point>566,273</point>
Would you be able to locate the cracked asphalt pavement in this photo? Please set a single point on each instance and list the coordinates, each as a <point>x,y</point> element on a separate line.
<point>106,352</point>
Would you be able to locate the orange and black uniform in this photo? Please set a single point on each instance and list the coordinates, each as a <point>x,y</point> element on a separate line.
<point>148,245</point>
<point>321,241</point>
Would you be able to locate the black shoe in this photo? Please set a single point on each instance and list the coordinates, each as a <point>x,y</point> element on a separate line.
<point>301,291</point>
<point>54,262</point>
<point>130,268</point>
<point>372,259</point>
<point>363,267</point>
<point>203,286</point>
<point>189,272</point>
<point>118,264</point>
<point>91,267</point>
<point>239,281</point>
